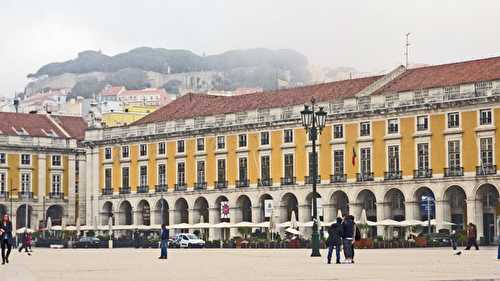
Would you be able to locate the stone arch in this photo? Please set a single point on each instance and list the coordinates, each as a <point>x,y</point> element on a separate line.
<point>244,211</point>
<point>308,208</point>
<point>455,206</point>
<point>161,212</point>
<point>106,213</point>
<point>339,201</point>
<point>181,211</point>
<point>262,200</point>
<point>201,209</point>
<point>394,205</point>
<point>21,216</point>
<point>366,200</point>
<point>487,211</point>
<point>288,204</point>
<point>218,203</point>
<point>425,199</point>
<point>125,213</point>
<point>143,213</point>
<point>55,213</point>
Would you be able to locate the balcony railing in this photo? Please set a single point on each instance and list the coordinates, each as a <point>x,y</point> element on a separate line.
<point>125,190</point>
<point>180,187</point>
<point>25,195</point>
<point>454,172</point>
<point>265,182</point>
<point>143,189</point>
<point>309,179</point>
<point>422,173</point>
<point>393,175</point>
<point>107,191</point>
<point>161,188</point>
<point>338,178</point>
<point>4,194</point>
<point>367,176</point>
<point>485,170</point>
<point>242,183</point>
<point>56,195</point>
<point>200,185</point>
<point>288,181</point>
<point>220,184</point>
<point>422,127</point>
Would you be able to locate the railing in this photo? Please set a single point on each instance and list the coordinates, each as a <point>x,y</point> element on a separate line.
<point>393,175</point>
<point>4,194</point>
<point>25,195</point>
<point>56,195</point>
<point>422,173</point>
<point>220,184</point>
<point>180,187</point>
<point>143,189</point>
<point>422,127</point>
<point>309,179</point>
<point>338,178</point>
<point>288,181</point>
<point>242,183</point>
<point>265,182</point>
<point>107,191</point>
<point>124,190</point>
<point>454,172</point>
<point>161,188</point>
<point>200,185</point>
<point>367,176</point>
<point>485,170</point>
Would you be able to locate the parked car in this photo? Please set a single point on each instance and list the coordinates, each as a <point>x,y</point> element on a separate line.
<point>187,240</point>
<point>88,242</point>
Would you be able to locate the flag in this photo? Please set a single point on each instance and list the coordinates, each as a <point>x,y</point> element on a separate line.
<point>353,156</point>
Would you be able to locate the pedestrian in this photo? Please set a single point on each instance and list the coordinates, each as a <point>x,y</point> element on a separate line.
<point>335,234</point>
<point>498,256</point>
<point>454,242</point>
<point>471,237</point>
<point>357,237</point>
<point>6,238</point>
<point>24,242</point>
<point>164,235</point>
<point>30,242</point>
<point>348,237</point>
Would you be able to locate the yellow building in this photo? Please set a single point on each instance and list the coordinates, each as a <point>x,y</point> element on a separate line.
<point>390,143</point>
<point>128,116</point>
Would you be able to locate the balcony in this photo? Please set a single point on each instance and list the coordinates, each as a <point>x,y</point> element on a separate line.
<point>25,195</point>
<point>265,182</point>
<point>143,189</point>
<point>180,187</point>
<point>485,170</point>
<point>200,185</point>
<point>242,183</point>
<point>422,173</point>
<point>309,179</point>
<point>288,181</point>
<point>338,178</point>
<point>422,127</point>
<point>220,184</point>
<point>4,195</point>
<point>161,188</point>
<point>56,195</point>
<point>107,191</point>
<point>124,190</point>
<point>393,175</point>
<point>454,172</point>
<point>367,176</point>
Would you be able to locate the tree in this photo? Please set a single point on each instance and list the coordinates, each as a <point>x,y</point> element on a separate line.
<point>87,88</point>
<point>132,79</point>
<point>172,86</point>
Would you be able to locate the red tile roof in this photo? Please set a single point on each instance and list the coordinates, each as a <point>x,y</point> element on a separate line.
<point>445,75</point>
<point>112,91</point>
<point>194,105</point>
<point>74,126</point>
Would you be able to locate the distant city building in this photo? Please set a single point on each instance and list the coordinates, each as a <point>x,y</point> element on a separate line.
<point>110,93</point>
<point>150,96</point>
<point>126,116</point>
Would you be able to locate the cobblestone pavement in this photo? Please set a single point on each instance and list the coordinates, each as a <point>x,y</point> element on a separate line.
<point>249,264</point>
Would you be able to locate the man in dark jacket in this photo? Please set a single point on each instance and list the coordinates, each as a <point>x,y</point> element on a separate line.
<point>6,238</point>
<point>348,237</point>
<point>164,234</point>
<point>335,240</point>
<point>471,236</point>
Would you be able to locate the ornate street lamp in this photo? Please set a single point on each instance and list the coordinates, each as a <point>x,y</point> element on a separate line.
<point>314,122</point>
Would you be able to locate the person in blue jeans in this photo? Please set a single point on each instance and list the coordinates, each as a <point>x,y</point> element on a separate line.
<point>164,235</point>
<point>335,240</point>
<point>498,256</point>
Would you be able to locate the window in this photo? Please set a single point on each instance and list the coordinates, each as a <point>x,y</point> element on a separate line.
<point>453,120</point>
<point>242,140</point>
<point>143,150</point>
<point>243,168</point>
<point>200,171</point>
<point>393,157</point>
<point>421,96</point>
<point>288,166</point>
<point>287,113</point>
<point>25,159</point>
<point>288,136</point>
<point>392,126</point>
<point>161,148</point>
<point>338,131</point>
<point>365,158</point>
<point>485,117</point>
<point>422,123</point>
<point>56,183</point>
<point>200,144</point>
<point>221,142</point>
<point>25,182</point>
<point>162,174</point>
<point>107,153</point>
<point>265,167</point>
<point>125,177</point>
<point>482,87</point>
<point>338,162</point>
<point>107,178</point>
<point>423,156</point>
<point>221,170</point>
<point>180,146</point>
<point>3,158</point>
<point>181,174</point>
<point>3,182</point>
<point>56,160</point>
<point>125,152</point>
<point>453,154</point>
<point>312,159</point>
<point>264,138</point>
<point>143,176</point>
<point>486,147</point>
<point>364,129</point>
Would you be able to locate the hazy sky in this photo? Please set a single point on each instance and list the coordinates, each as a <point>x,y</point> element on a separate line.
<point>367,35</point>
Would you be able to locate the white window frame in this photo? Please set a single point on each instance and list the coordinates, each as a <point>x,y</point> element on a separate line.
<point>60,183</point>
<point>479,117</point>
<point>60,160</point>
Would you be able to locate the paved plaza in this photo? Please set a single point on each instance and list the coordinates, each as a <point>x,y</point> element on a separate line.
<point>249,264</point>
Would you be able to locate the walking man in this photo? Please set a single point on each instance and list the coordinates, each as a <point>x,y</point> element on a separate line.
<point>164,241</point>
<point>335,240</point>
<point>6,238</point>
<point>471,237</point>
<point>348,238</point>
<point>24,243</point>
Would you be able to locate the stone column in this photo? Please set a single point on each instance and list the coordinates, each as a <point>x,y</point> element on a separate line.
<point>380,217</point>
<point>42,188</point>
<point>442,211</point>
<point>82,189</point>
<point>71,189</point>
<point>232,215</point>
<point>475,215</point>
<point>411,209</point>
<point>256,214</point>
<point>213,234</point>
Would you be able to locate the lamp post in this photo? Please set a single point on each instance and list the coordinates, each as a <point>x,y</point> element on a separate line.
<point>314,122</point>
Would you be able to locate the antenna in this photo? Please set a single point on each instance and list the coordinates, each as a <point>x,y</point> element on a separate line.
<point>406,48</point>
